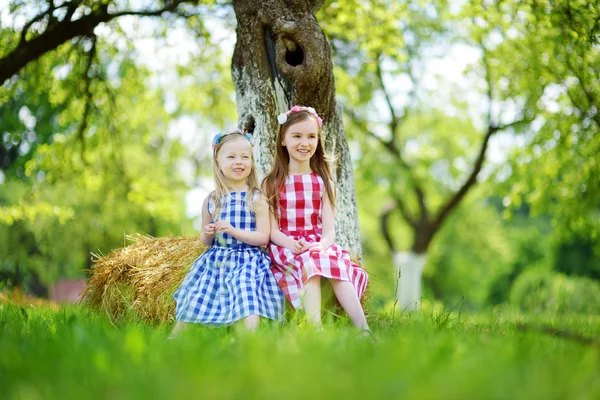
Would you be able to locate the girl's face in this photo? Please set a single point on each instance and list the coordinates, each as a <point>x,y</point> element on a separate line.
<point>301,140</point>
<point>235,160</point>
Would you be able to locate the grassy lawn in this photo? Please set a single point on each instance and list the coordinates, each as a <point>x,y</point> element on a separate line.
<point>75,353</point>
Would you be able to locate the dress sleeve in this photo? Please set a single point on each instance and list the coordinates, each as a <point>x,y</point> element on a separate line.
<point>211,206</point>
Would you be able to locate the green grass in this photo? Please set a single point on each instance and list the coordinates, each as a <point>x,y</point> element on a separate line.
<point>74,353</point>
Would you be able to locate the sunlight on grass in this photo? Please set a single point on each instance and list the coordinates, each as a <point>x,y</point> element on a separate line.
<point>74,353</point>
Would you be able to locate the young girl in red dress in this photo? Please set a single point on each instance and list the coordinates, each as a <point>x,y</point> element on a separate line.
<point>301,197</point>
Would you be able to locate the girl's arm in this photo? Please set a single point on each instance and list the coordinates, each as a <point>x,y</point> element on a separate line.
<point>280,238</point>
<point>208,228</point>
<point>259,237</point>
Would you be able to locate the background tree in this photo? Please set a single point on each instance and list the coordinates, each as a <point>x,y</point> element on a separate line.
<point>91,120</point>
<point>385,51</point>
<point>278,42</point>
<point>563,55</point>
<point>89,150</point>
<point>425,89</point>
<point>429,182</point>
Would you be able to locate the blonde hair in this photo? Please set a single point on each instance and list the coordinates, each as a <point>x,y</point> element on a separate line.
<point>221,187</point>
<point>320,162</point>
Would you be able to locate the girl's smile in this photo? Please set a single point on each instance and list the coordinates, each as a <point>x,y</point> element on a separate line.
<point>235,160</point>
<point>301,140</point>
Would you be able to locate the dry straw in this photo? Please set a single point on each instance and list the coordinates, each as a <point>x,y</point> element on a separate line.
<point>138,281</point>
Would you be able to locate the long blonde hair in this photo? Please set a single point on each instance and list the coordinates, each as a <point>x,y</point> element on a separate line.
<point>221,188</point>
<point>319,163</point>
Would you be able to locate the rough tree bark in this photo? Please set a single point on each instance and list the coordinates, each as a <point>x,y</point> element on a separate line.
<point>282,58</point>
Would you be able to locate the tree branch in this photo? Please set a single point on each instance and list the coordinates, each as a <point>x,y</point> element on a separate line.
<point>576,103</point>
<point>591,99</point>
<point>451,204</point>
<point>470,181</point>
<point>395,152</point>
<point>388,99</point>
<point>391,144</point>
<point>37,18</point>
<point>71,10</point>
<point>385,226</point>
<point>389,208</point>
<point>54,36</point>
<point>391,147</point>
<point>399,204</point>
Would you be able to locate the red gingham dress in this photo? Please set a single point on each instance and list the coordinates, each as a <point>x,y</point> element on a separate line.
<point>300,201</point>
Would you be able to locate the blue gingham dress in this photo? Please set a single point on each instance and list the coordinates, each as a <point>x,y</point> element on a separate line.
<point>232,279</point>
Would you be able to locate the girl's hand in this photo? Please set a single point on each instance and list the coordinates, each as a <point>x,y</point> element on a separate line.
<point>299,246</point>
<point>224,227</point>
<point>316,246</point>
<point>209,231</point>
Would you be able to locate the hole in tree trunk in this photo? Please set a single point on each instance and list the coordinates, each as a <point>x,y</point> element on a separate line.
<point>249,124</point>
<point>294,55</point>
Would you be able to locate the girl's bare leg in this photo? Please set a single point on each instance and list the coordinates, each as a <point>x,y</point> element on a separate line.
<point>252,322</point>
<point>311,300</point>
<point>346,295</point>
<point>179,327</point>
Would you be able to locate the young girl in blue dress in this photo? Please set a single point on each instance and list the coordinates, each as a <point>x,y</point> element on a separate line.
<point>232,280</point>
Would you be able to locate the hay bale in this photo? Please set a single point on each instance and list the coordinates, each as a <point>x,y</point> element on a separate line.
<point>138,281</point>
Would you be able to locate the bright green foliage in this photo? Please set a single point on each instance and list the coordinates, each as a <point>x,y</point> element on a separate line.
<point>576,257</point>
<point>551,50</point>
<point>380,84</point>
<point>82,196</point>
<point>530,248</point>
<point>92,153</point>
<point>382,275</point>
<point>75,354</point>
<point>533,62</point>
<point>462,274</point>
<point>74,181</point>
<point>540,290</point>
<point>474,251</point>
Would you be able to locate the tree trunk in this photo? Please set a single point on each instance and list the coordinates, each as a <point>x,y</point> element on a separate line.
<point>282,58</point>
<point>409,266</point>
